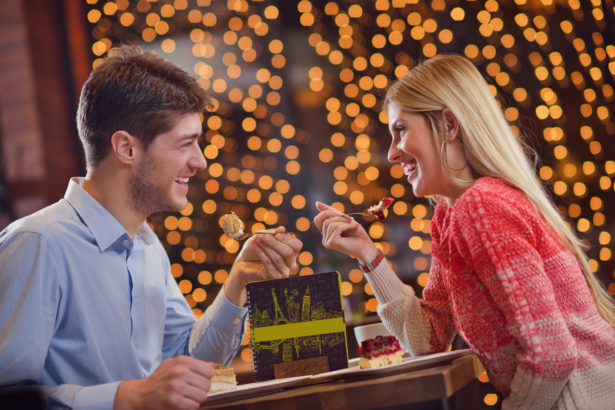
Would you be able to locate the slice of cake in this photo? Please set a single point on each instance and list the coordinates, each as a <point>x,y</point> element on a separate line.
<point>224,379</point>
<point>380,351</point>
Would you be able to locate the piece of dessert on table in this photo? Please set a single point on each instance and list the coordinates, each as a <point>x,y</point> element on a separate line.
<point>224,379</point>
<point>380,351</point>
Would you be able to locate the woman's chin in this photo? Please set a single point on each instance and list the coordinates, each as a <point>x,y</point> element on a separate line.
<point>417,189</point>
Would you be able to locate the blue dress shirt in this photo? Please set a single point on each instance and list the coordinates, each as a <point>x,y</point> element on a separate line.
<point>84,306</point>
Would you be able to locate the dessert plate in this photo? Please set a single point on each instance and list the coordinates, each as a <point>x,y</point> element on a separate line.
<point>243,390</point>
<point>407,363</point>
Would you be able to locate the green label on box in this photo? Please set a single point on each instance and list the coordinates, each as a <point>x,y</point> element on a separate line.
<point>301,329</point>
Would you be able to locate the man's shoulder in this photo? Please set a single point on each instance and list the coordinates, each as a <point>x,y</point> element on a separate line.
<point>49,221</point>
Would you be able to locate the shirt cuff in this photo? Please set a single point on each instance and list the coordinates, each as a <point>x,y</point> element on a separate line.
<point>98,397</point>
<point>227,314</point>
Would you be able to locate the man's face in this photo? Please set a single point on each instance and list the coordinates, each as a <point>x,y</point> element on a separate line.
<point>160,182</point>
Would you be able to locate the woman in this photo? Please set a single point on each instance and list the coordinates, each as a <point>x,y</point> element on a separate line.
<point>507,273</point>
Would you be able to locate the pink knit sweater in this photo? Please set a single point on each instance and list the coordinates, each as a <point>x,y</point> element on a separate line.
<point>502,278</point>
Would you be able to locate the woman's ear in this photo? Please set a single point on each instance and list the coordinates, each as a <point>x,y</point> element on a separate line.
<point>123,146</point>
<point>451,124</point>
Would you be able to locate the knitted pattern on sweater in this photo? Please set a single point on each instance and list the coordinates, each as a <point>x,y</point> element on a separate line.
<point>503,279</point>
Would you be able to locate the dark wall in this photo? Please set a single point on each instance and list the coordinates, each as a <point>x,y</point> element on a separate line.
<point>44,58</point>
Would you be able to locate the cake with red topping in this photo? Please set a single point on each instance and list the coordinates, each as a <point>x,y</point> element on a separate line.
<point>224,379</point>
<point>378,209</point>
<point>380,351</point>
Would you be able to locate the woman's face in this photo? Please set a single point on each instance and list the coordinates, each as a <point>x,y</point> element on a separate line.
<point>414,148</point>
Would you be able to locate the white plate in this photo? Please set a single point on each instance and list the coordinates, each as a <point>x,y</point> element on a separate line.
<point>249,389</point>
<point>407,363</point>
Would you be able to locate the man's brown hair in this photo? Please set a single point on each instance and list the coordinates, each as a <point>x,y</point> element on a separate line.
<point>136,91</point>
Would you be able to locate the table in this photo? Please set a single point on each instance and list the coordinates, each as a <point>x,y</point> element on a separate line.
<point>431,383</point>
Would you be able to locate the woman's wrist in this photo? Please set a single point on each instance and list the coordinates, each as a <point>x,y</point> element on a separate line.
<point>371,262</point>
<point>366,257</point>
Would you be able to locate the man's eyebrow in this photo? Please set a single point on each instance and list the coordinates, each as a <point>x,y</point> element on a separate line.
<point>199,137</point>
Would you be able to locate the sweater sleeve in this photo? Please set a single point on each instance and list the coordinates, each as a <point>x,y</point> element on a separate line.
<point>499,239</point>
<point>400,310</point>
<point>424,325</point>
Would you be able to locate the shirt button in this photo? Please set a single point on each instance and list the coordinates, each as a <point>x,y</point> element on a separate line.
<point>236,321</point>
<point>126,243</point>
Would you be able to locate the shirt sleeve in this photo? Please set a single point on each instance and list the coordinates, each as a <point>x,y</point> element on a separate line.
<point>30,292</point>
<point>499,240</point>
<point>97,397</point>
<point>215,337</point>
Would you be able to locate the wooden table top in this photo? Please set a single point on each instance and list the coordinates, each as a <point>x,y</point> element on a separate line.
<point>431,383</point>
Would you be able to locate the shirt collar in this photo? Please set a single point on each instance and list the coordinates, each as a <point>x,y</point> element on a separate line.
<point>105,229</point>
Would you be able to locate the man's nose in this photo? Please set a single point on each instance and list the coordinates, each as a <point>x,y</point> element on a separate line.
<point>198,161</point>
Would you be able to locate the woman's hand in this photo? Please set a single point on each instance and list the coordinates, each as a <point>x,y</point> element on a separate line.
<point>342,233</point>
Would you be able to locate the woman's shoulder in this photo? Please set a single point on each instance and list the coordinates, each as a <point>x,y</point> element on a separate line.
<point>491,186</point>
<point>486,198</point>
<point>487,190</point>
<point>492,196</point>
<point>491,190</point>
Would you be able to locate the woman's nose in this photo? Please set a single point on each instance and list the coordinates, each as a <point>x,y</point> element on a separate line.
<point>393,153</point>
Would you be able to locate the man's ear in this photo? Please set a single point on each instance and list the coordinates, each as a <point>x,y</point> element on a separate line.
<point>124,146</point>
<point>451,124</point>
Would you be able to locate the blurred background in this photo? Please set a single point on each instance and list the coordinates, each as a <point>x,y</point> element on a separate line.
<point>297,88</point>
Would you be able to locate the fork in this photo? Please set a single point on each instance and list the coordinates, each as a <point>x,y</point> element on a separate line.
<point>246,235</point>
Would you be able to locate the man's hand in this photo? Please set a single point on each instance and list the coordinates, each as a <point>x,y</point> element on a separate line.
<point>262,257</point>
<point>178,383</point>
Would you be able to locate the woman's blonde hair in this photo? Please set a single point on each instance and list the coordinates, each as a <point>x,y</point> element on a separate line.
<point>491,148</point>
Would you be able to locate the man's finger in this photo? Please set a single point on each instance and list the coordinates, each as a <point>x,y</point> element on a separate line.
<point>203,368</point>
<point>278,248</point>
<point>271,267</point>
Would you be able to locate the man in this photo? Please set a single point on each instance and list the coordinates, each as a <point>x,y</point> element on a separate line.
<point>88,307</point>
